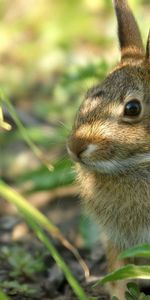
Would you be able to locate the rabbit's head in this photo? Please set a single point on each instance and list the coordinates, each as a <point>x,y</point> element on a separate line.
<point>112,127</point>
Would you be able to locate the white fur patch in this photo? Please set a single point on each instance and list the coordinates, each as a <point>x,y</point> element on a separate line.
<point>116,166</point>
<point>90,149</point>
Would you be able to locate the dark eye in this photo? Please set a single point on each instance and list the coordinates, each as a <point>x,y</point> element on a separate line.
<point>132,108</point>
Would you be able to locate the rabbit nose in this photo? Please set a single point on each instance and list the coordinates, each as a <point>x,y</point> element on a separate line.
<point>76,147</point>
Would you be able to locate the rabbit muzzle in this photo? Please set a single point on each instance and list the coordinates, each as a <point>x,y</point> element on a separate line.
<point>85,151</point>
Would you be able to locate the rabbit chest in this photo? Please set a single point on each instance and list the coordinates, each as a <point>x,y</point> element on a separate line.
<point>121,205</point>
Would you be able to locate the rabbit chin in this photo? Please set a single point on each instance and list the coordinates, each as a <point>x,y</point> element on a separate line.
<point>117,166</point>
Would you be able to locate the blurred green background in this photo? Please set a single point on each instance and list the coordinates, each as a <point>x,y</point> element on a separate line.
<point>51,52</point>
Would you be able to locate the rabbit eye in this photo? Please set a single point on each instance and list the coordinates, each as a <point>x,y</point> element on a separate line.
<point>132,108</point>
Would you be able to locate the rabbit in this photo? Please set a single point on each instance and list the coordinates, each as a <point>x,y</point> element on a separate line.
<point>110,144</point>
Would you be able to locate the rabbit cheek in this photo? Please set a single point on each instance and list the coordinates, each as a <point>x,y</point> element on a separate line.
<point>105,150</point>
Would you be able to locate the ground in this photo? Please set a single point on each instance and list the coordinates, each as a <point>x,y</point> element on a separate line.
<point>27,271</point>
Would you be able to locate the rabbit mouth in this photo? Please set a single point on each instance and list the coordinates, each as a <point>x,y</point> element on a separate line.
<point>117,165</point>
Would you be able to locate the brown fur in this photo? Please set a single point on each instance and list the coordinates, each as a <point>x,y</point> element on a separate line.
<point>129,35</point>
<point>113,151</point>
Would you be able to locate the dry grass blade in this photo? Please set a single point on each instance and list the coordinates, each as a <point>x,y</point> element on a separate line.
<point>39,154</point>
<point>4,125</point>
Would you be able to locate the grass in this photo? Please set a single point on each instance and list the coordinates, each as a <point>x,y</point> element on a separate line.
<point>38,222</point>
<point>50,66</point>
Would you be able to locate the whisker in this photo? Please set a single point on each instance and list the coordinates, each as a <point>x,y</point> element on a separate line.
<point>118,165</point>
<point>64,126</point>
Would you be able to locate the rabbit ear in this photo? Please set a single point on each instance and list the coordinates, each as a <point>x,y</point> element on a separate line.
<point>148,49</point>
<point>129,35</point>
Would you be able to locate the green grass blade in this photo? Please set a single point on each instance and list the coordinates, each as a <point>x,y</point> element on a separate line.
<point>23,131</point>
<point>133,289</point>
<point>3,296</point>
<point>138,251</point>
<point>15,198</point>
<point>127,272</point>
<point>34,217</point>
<point>25,207</point>
<point>60,262</point>
<point>42,179</point>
